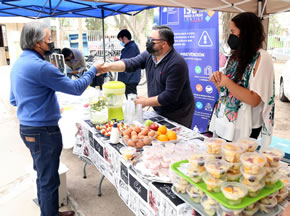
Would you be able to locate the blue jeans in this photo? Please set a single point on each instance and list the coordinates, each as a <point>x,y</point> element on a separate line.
<point>45,145</point>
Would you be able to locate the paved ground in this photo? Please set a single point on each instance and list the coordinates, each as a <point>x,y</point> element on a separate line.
<point>16,186</point>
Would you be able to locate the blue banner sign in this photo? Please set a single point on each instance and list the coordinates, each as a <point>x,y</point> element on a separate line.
<point>197,40</point>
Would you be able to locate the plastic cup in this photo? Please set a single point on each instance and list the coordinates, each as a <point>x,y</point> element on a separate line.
<point>252,211</point>
<point>232,212</point>
<point>267,208</point>
<point>213,184</point>
<point>271,171</point>
<point>273,156</point>
<point>195,175</point>
<point>253,190</point>
<point>210,205</point>
<point>270,182</point>
<point>234,192</point>
<point>232,152</point>
<point>250,144</point>
<point>194,193</point>
<point>217,168</point>
<point>270,199</point>
<point>180,185</point>
<point>128,152</point>
<point>253,162</point>
<point>214,145</point>
<point>251,179</point>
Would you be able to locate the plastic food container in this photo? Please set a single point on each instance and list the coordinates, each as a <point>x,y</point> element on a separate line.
<point>251,179</point>
<point>253,162</point>
<point>213,184</point>
<point>281,196</point>
<point>234,192</point>
<point>271,171</point>
<point>234,171</point>
<point>194,193</point>
<point>233,177</point>
<point>253,190</point>
<point>232,152</point>
<point>270,182</point>
<point>223,211</point>
<point>270,199</point>
<point>197,161</point>
<point>210,205</point>
<point>217,168</point>
<point>213,157</point>
<point>195,175</point>
<point>214,145</point>
<point>273,156</point>
<point>250,144</point>
<point>251,211</point>
<point>267,208</point>
<point>180,185</point>
<point>128,152</point>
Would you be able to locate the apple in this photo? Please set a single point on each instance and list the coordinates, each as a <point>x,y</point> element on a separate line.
<point>154,126</point>
<point>148,123</point>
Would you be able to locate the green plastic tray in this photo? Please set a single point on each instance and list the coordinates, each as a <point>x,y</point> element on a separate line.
<point>219,196</point>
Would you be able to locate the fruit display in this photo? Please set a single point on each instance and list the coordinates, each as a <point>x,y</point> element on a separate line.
<point>234,192</point>
<point>165,135</point>
<point>106,129</point>
<point>138,137</point>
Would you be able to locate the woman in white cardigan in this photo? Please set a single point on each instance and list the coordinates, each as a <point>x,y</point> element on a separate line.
<point>246,100</point>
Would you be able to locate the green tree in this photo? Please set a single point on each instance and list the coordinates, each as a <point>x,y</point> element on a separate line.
<point>95,24</point>
<point>275,27</point>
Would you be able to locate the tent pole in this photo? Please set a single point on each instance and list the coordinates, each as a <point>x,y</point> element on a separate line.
<point>103,26</point>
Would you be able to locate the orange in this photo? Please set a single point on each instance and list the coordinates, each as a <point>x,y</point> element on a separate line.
<point>162,129</point>
<point>171,135</point>
<point>162,137</point>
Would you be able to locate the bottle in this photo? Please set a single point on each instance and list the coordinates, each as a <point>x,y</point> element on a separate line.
<point>115,134</point>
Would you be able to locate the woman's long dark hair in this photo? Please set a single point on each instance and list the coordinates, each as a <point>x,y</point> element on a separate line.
<point>251,37</point>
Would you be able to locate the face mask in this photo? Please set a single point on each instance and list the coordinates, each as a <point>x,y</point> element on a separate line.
<point>122,44</point>
<point>51,49</point>
<point>149,47</point>
<point>234,42</point>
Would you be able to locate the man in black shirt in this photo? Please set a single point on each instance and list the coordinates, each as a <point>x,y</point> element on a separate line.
<point>168,85</point>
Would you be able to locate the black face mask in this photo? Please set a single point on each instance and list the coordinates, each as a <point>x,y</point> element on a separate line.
<point>149,46</point>
<point>234,42</point>
<point>51,49</point>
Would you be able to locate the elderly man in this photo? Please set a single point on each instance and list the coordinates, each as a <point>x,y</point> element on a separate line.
<point>34,82</point>
<point>167,76</point>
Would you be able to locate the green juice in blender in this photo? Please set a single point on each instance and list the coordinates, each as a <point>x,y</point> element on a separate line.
<point>114,91</point>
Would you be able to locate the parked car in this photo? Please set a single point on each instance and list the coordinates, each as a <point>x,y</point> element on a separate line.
<point>284,94</point>
<point>281,54</point>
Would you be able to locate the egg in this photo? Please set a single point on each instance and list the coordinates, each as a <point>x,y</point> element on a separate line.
<point>145,131</point>
<point>151,133</point>
<point>126,133</point>
<point>137,129</point>
<point>131,143</point>
<point>130,130</point>
<point>134,137</point>
<point>126,137</point>
<point>133,133</point>
<point>140,136</point>
<point>139,144</point>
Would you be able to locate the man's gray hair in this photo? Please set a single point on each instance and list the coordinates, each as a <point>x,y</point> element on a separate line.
<point>32,33</point>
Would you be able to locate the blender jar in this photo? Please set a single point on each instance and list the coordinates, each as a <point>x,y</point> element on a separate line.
<point>114,92</point>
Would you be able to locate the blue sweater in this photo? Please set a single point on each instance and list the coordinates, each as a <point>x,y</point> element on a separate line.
<point>169,80</point>
<point>34,82</point>
<point>131,50</point>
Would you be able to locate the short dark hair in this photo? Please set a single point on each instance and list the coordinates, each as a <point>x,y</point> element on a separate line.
<point>66,52</point>
<point>165,33</point>
<point>124,33</point>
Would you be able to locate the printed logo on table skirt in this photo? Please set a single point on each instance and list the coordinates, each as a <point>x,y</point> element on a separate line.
<point>138,187</point>
<point>166,190</point>
<point>124,173</point>
<point>99,148</point>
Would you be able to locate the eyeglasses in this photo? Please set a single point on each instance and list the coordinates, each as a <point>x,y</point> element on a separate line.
<point>154,39</point>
